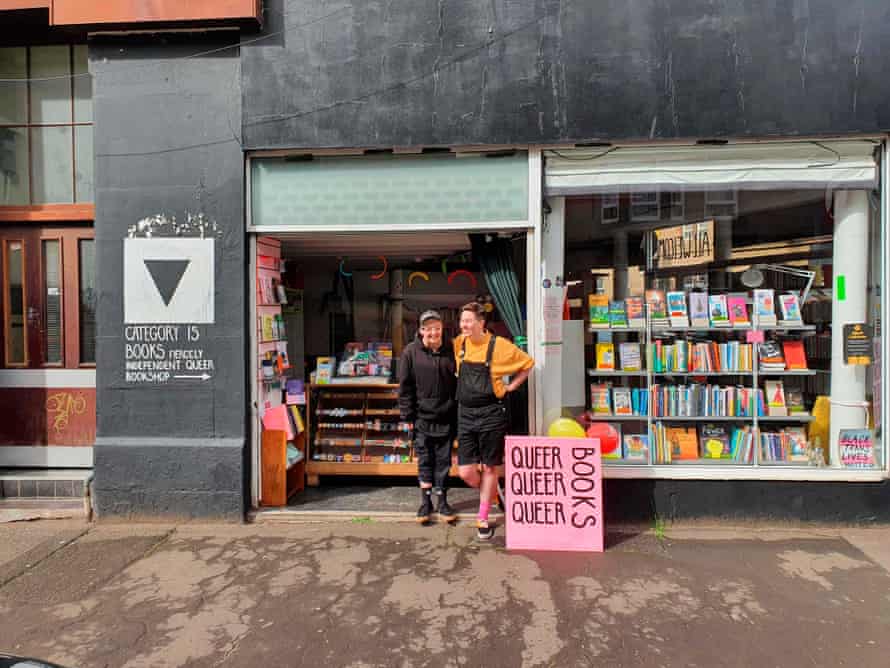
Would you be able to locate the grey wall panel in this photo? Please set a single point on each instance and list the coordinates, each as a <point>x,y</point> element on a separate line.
<point>167,144</point>
<point>354,73</point>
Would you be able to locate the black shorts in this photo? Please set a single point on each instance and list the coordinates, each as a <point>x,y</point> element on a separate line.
<point>480,435</point>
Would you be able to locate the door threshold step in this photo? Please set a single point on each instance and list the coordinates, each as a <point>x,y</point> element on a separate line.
<point>293,515</point>
<point>20,510</point>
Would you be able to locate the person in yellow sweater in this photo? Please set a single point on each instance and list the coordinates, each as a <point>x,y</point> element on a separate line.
<point>483,360</point>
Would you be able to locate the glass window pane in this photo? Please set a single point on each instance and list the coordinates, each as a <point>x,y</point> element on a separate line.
<point>87,253</point>
<point>83,86</point>
<point>52,284</point>
<point>51,99</point>
<point>13,96</point>
<point>83,162</point>
<point>52,165</point>
<point>14,183</point>
<point>15,300</point>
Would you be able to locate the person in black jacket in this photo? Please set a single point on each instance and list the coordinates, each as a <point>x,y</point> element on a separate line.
<point>427,384</point>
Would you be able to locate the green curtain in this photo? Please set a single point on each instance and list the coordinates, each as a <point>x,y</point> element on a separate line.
<point>495,258</point>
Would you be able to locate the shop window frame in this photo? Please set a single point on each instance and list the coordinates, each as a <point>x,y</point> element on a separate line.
<point>47,210</point>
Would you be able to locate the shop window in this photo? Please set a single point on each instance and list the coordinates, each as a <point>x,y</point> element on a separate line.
<point>747,348</point>
<point>87,300</point>
<point>52,285</point>
<point>14,282</point>
<point>609,206</point>
<point>46,136</point>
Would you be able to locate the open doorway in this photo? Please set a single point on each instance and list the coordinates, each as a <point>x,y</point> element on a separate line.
<point>332,313</point>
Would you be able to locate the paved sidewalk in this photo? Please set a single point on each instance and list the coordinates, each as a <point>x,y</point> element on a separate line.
<point>386,594</point>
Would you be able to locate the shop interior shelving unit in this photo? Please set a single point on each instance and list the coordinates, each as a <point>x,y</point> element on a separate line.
<point>750,379</point>
<point>353,428</point>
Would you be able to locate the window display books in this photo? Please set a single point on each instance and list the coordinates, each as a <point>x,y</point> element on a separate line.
<point>655,302</point>
<point>629,356</point>
<point>636,448</point>
<point>605,356</point>
<point>790,309</point>
<point>599,311</point>
<point>683,442</point>
<point>771,358</point>
<point>786,445</point>
<point>636,318</point>
<point>795,357</point>
<point>715,442</point>
<point>719,311</point>
<point>617,314</point>
<point>794,401</point>
<point>600,399</point>
<point>621,401</point>
<point>764,308</point>
<point>775,398</point>
<point>698,309</point>
<point>677,312</point>
<point>738,312</point>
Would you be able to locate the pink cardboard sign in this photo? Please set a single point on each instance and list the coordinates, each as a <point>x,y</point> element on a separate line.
<point>554,489</point>
<point>755,336</point>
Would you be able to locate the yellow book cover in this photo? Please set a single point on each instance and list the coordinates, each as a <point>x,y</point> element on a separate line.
<point>298,419</point>
<point>605,356</point>
<point>268,334</point>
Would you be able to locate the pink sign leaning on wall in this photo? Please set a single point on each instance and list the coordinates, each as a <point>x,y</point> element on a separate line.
<point>554,489</point>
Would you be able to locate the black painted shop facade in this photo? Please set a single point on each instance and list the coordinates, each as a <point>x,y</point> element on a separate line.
<point>558,82</point>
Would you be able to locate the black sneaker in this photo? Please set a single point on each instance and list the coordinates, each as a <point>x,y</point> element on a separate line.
<point>425,510</point>
<point>444,510</point>
<point>484,531</point>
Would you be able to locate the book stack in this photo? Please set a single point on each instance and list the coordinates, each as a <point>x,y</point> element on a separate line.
<point>698,309</point>
<point>775,398</point>
<point>771,358</point>
<point>719,311</point>
<point>764,308</point>
<point>671,443</point>
<point>598,306</point>
<point>617,314</point>
<point>605,357</point>
<point>625,400</point>
<point>738,311</point>
<point>703,357</point>
<point>629,355</point>
<point>657,307</point>
<point>790,310</point>
<point>636,318</point>
<point>677,313</point>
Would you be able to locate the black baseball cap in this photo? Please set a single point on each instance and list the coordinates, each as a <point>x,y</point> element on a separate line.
<point>430,315</point>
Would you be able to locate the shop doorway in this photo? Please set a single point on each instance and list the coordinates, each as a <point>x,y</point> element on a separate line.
<point>331,315</point>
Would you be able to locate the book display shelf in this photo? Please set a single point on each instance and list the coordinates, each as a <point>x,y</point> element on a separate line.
<point>281,405</point>
<point>694,379</point>
<point>354,429</point>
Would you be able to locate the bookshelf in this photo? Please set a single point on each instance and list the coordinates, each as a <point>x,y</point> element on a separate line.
<point>712,391</point>
<point>354,429</point>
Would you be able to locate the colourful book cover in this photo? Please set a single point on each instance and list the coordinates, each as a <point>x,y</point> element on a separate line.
<point>857,448</point>
<point>798,448</point>
<point>683,442</point>
<point>795,356</point>
<point>629,354</point>
<point>715,443</point>
<point>698,309</point>
<point>635,315</point>
<point>738,312</point>
<point>718,310</point>
<point>790,307</point>
<point>599,310</point>
<point>657,305</point>
<point>268,323</point>
<point>621,401</point>
<point>617,313</point>
<point>765,305</point>
<point>599,399</point>
<point>676,304</point>
<point>636,448</point>
<point>605,356</point>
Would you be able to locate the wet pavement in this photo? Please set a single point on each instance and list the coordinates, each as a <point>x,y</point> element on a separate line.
<point>364,593</point>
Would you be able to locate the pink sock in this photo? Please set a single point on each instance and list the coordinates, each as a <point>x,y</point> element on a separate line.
<point>483,510</point>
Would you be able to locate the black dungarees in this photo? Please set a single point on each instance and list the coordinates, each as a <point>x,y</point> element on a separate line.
<point>481,416</point>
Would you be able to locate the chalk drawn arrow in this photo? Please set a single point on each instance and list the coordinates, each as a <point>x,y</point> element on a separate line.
<point>203,376</point>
